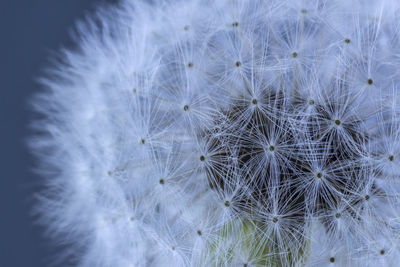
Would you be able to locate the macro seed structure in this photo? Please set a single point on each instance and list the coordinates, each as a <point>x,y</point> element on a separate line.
<point>225,133</point>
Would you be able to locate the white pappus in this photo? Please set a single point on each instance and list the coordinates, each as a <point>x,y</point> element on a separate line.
<point>225,133</point>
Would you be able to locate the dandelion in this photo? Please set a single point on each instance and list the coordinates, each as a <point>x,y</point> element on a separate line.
<point>225,133</point>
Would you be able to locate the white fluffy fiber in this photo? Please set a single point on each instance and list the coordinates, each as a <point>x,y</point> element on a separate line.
<point>225,133</point>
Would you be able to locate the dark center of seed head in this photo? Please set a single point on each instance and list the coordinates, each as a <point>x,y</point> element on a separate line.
<point>199,232</point>
<point>227,203</point>
<point>338,122</point>
<point>338,215</point>
<point>366,197</point>
<point>202,158</point>
<point>382,251</point>
<point>185,107</point>
<point>311,102</point>
<point>370,81</point>
<point>294,54</point>
<point>238,63</point>
<point>161,181</point>
<point>271,148</point>
<point>319,175</point>
<point>190,64</point>
<point>142,141</point>
<point>254,101</point>
<point>347,41</point>
<point>391,158</point>
<point>332,259</point>
<point>274,220</point>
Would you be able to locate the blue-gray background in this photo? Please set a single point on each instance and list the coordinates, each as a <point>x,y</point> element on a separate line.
<point>29,31</point>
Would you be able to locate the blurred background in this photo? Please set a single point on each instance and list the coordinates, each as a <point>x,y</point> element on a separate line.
<point>30,31</point>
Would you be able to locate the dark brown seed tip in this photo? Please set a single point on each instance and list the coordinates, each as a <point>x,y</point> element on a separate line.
<point>332,259</point>
<point>370,81</point>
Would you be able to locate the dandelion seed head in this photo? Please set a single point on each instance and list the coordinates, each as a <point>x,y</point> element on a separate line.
<point>225,133</point>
